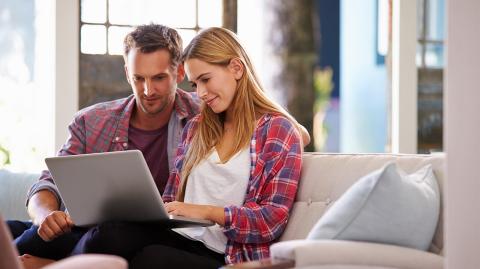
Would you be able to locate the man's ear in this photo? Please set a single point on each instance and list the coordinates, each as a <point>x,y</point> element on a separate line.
<point>236,67</point>
<point>126,73</point>
<point>180,72</point>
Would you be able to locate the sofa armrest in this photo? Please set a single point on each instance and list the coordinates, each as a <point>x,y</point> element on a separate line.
<point>322,252</point>
<point>86,261</point>
<point>304,253</point>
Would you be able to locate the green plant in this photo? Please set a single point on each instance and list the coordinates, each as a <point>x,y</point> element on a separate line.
<point>6,156</point>
<point>323,85</point>
<point>322,82</point>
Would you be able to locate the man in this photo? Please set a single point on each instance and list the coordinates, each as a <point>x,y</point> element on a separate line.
<point>150,120</point>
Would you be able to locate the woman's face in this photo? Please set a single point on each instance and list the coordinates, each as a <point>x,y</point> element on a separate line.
<point>215,85</point>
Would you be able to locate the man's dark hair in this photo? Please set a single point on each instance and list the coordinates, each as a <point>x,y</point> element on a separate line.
<point>153,37</point>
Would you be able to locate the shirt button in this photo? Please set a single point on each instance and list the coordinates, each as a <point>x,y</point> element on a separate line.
<point>125,145</point>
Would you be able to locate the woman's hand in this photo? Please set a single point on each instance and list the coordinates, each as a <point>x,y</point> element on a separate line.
<point>213,213</point>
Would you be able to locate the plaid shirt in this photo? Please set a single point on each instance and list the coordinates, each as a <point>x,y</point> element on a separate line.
<point>104,127</point>
<point>276,161</point>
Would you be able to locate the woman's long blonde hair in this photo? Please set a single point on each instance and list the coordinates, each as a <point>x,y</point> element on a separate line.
<point>219,46</point>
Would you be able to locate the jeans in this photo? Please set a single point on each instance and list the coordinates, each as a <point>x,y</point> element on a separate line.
<point>144,245</point>
<point>148,246</point>
<point>28,241</point>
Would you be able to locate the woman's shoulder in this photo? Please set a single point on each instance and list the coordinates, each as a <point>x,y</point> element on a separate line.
<point>275,134</point>
<point>275,120</point>
<point>276,127</point>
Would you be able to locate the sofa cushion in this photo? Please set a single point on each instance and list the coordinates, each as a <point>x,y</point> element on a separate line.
<point>385,206</point>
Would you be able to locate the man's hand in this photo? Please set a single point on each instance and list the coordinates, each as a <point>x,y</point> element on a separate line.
<point>213,213</point>
<point>54,225</point>
<point>43,208</point>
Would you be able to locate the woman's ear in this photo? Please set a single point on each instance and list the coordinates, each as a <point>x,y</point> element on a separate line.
<point>236,67</point>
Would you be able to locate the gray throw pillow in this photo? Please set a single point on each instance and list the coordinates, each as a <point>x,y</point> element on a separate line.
<point>386,206</point>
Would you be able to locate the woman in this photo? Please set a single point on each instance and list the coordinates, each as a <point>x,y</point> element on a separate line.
<point>238,164</point>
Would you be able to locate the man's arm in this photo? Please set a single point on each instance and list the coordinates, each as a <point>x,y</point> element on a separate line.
<point>43,208</point>
<point>43,199</point>
<point>41,204</point>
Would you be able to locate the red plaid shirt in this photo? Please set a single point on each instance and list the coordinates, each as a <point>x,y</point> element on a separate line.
<point>276,160</point>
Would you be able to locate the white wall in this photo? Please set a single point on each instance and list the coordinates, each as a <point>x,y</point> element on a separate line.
<point>404,77</point>
<point>66,66</point>
<point>462,136</point>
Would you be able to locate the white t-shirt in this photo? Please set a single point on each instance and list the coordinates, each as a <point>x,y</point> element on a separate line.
<point>216,184</point>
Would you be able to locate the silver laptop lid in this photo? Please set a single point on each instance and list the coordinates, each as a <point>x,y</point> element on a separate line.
<point>110,186</point>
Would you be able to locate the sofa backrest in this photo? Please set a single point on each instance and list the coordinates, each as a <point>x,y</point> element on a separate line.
<point>13,192</point>
<point>325,177</point>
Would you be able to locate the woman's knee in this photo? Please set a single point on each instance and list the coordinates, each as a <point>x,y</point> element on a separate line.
<point>118,238</point>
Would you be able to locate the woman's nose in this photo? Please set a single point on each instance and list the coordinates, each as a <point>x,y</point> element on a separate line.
<point>201,91</point>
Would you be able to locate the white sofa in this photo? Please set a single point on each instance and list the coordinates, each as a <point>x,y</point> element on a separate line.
<point>325,177</point>
<point>13,191</point>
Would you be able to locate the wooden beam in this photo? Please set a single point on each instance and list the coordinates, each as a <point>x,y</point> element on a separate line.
<point>230,15</point>
<point>404,77</point>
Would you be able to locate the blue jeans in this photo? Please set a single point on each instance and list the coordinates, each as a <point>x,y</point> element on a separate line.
<point>28,241</point>
<point>144,245</point>
<point>148,245</point>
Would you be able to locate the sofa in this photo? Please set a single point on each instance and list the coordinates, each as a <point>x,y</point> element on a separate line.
<point>13,191</point>
<point>325,177</point>
<point>9,257</point>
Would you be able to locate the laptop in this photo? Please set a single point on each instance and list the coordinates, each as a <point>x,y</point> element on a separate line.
<point>112,186</point>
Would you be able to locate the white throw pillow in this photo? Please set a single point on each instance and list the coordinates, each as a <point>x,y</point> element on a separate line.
<point>386,206</point>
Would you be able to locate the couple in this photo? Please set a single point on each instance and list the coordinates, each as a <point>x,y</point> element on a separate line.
<point>235,160</point>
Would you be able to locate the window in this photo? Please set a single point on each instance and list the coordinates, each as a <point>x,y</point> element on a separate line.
<point>104,23</point>
<point>27,59</point>
<point>430,63</point>
<point>431,14</point>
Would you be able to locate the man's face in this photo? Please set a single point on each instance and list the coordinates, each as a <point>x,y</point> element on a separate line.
<point>153,80</point>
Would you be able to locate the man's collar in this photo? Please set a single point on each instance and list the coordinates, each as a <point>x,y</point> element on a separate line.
<point>180,106</point>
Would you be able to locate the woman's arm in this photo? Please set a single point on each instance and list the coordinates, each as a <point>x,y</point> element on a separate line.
<point>264,215</point>
<point>208,212</point>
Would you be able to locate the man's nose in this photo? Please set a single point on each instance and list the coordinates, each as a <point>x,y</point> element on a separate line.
<point>147,87</point>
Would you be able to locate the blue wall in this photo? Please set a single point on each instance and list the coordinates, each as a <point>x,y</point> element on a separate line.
<point>329,47</point>
<point>363,99</point>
